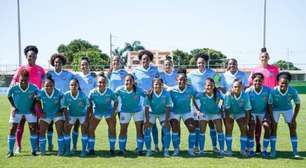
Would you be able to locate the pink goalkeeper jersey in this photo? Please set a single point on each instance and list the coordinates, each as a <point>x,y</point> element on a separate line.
<point>270,74</point>
<point>36,75</point>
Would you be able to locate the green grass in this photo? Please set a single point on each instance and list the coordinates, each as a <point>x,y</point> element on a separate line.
<point>300,86</point>
<point>102,159</point>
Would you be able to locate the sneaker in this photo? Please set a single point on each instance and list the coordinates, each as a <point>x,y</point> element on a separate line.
<point>228,153</point>
<point>67,153</point>
<point>60,153</point>
<point>112,152</point>
<point>166,153</point>
<point>221,154</point>
<point>176,152</point>
<point>42,153</point>
<point>258,148</point>
<point>17,150</point>
<point>148,153</point>
<point>273,154</point>
<point>296,156</point>
<point>215,149</point>
<point>265,154</point>
<point>156,149</point>
<point>121,153</point>
<point>190,152</point>
<point>244,153</point>
<point>201,153</point>
<point>140,153</point>
<point>34,153</point>
<point>83,154</point>
<point>251,154</point>
<point>74,149</point>
<point>10,154</point>
<point>196,150</point>
<point>50,148</point>
<point>91,152</point>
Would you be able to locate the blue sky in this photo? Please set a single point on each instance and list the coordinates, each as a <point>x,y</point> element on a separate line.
<point>232,27</point>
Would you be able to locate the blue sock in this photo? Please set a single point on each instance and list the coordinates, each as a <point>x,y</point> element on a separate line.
<point>243,143</point>
<point>91,143</point>
<point>84,142</point>
<point>273,144</point>
<point>265,144</point>
<point>147,138</point>
<point>294,143</point>
<point>75,136</point>
<point>49,136</point>
<point>229,140</point>
<point>166,138</point>
<point>191,140</point>
<point>112,142</point>
<point>201,141</point>
<point>155,134</point>
<point>213,137</point>
<point>175,140</point>
<point>60,143</point>
<point>67,143</point>
<point>122,143</point>
<point>139,143</point>
<point>42,144</point>
<point>221,141</point>
<point>251,144</point>
<point>197,132</point>
<point>11,143</point>
<point>33,140</point>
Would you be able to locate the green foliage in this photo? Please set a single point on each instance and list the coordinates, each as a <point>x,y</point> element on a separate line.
<point>285,65</point>
<point>123,52</point>
<point>79,48</point>
<point>217,58</point>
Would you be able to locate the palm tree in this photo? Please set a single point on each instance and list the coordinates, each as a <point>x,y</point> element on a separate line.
<point>123,53</point>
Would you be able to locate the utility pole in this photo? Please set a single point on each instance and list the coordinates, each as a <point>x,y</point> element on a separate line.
<point>264,24</point>
<point>19,34</point>
<point>110,45</point>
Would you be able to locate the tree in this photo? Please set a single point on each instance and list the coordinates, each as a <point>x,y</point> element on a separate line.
<point>79,48</point>
<point>216,58</point>
<point>285,65</point>
<point>123,52</point>
<point>181,58</point>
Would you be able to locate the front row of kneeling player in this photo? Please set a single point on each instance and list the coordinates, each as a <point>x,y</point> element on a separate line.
<point>169,106</point>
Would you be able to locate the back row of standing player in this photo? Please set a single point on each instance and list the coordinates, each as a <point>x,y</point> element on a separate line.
<point>150,93</point>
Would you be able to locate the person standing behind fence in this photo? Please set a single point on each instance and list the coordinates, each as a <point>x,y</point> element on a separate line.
<point>36,77</point>
<point>61,79</point>
<point>269,72</point>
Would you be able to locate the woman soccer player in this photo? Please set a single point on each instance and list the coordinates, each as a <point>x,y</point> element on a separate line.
<point>129,97</point>
<point>197,79</point>
<point>22,100</point>
<point>74,105</point>
<point>169,74</point>
<point>157,105</point>
<point>182,95</point>
<point>61,79</point>
<point>210,103</point>
<point>144,75</point>
<point>87,82</point>
<point>101,99</point>
<point>237,108</point>
<point>280,102</point>
<point>259,95</point>
<point>50,100</point>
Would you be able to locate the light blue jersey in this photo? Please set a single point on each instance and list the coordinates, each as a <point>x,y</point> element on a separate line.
<point>227,79</point>
<point>259,100</point>
<point>158,103</point>
<point>144,77</point>
<point>102,102</point>
<point>116,79</point>
<point>182,99</point>
<point>237,105</point>
<point>169,79</point>
<point>51,104</point>
<point>87,82</point>
<point>76,106</point>
<point>23,99</point>
<point>130,100</point>
<point>283,101</point>
<point>61,79</point>
<point>197,79</point>
<point>209,104</point>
